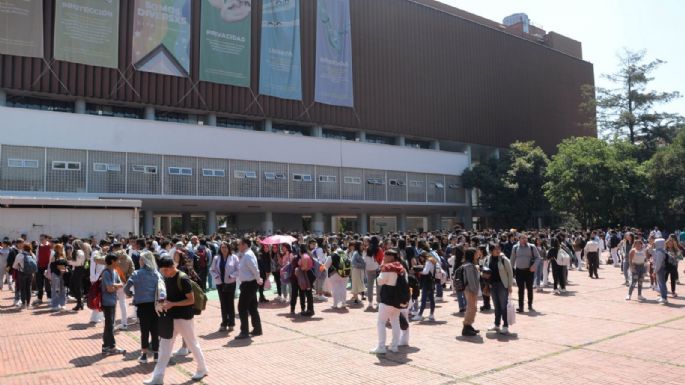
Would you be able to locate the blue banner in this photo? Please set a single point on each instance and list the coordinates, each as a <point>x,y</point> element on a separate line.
<point>333,54</point>
<point>280,72</point>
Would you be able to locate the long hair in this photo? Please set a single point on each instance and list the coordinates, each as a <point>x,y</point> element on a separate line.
<point>148,260</point>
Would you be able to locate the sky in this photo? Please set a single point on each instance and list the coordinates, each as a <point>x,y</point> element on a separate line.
<point>605,28</point>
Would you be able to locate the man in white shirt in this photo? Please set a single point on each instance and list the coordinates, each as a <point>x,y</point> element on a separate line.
<point>248,274</point>
<point>592,253</point>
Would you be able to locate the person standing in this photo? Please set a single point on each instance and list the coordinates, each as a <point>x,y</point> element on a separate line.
<point>523,257</point>
<point>559,270</point>
<point>44,253</point>
<point>224,272</point>
<point>77,263</point>
<point>317,253</point>
<point>427,282</point>
<point>4,255</point>
<point>592,249</point>
<point>179,307</point>
<point>369,255</point>
<point>660,259</point>
<point>388,308</point>
<point>471,289</point>
<point>58,266</point>
<point>125,270</point>
<point>111,282</point>
<point>26,266</point>
<point>636,263</point>
<point>501,281</point>
<point>623,249</point>
<point>97,266</point>
<point>248,273</point>
<point>335,266</point>
<point>673,253</point>
<point>358,268</point>
<point>146,285</point>
<point>264,265</point>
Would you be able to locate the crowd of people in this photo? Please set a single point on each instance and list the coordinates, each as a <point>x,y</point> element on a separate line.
<point>400,276</point>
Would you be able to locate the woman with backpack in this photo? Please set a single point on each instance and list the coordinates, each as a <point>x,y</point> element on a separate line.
<point>148,287</point>
<point>302,281</point>
<point>358,268</point>
<point>501,282</point>
<point>335,266</point>
<point>25,265</point>
<point>58,266</point>
<point>224,271</point>
<point>558,270</point>
<point>392,272</point>
<point>427,282</point>
<point>674,253</point>
<point>470,278</point>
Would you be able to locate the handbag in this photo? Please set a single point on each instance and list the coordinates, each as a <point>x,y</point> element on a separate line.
<point>165,326</point>
<point>511,312</point>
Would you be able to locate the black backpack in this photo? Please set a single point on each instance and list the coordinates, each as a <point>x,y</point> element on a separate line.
<point>614,241</point>
<point>402,291</point>
<point>459,279</point>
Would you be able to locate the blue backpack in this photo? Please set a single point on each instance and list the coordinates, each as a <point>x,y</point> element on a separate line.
<point>30,265</point>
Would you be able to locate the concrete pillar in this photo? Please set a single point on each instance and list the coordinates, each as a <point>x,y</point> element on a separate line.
<point>435,145</point>
<point>268,125</point>
<point>496,154</point>
<point>360,136</point>
<point>148,222</point>
<point>211,120</point>
<point>166,225</point>
<point>3,98</point>
<point>363,220</point>
<point>149,113</point>
<point>158,224</point>
<point>211,222</point>
<point>318,224</point>
<point>80,106</point>
<point>316,131</point>
<point>268,223</point>
<point>402,223</point>
<point>400,141</point>
<point>185,222</point>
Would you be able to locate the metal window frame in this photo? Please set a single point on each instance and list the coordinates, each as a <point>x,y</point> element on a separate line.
<point>22,163</point>
<point>180,171</point>
<point>66,163</point>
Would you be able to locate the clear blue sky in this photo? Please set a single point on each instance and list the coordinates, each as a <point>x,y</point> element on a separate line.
<point>605,27</point>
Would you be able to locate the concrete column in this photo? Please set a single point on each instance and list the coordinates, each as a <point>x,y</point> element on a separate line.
<point>211,222</point>
<point>435,145</point>
<point>166,225</point>
<point>211,120</point>
<point>363,220</point>
<point>3,98</point>
<point>268,125</point>
<point>496,154</point>
<point>402,222</point>
<point>148,222</point>
<point>316,131</point>
<point>80,106</point>
<point>317,224</point>
<point>360,136</point>
<point>185,222</point>
<point>400,141</point>
<point>268,223</point>
<point>149,113</point>
<point>158,224</point>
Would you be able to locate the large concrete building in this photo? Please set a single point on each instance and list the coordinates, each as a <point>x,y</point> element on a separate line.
<point>436,90</point>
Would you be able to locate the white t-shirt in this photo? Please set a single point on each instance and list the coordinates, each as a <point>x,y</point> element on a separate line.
<point>371,264</point>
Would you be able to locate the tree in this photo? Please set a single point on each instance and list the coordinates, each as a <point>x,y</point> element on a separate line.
<point>511,186</point>
<point>666,178</point>
<point>591,180</point>
<point>628,109</point>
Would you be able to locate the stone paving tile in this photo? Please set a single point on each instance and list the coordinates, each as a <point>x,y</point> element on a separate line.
<point>648,344</point>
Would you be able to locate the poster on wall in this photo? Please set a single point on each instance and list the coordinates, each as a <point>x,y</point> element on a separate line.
<point>333,54</point>
<point>225,45</point>
<point>161,36</point>
<point>21,27</point>
<point>280,72</point>
<point>87,32</point>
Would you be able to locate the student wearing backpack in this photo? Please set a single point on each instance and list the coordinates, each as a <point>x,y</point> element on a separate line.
<point>178,305</point>
<point>390,306</point>
<point>301,281</point>
<point>111,282</point>
<point>338,267</point>
<point>26,266</point>
<point>224,272</point>
<point>559,270</point>
<point>470,279</point>
<point>427,281</point>
<point>501,281</point>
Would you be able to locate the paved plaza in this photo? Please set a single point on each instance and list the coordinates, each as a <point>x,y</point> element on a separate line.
<point>589,336</point>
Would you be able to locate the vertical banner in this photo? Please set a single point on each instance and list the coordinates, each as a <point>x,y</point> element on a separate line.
<point>21,27</point>
<point>333,54</point>
<point>87,32</point>
<point>225,42</point>
<point>161,36</point>
<point>280,73</point>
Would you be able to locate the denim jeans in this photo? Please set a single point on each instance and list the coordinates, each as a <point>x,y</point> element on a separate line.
<point>625,267</point>
<point>427,294</point>
<point>500,298</point>
<point>661,279</point>
<point>636,278</point>
<point>438,289</point>
<point>108,333</point>
<point>461,299</point>
<point>57,291</point>
<point>538,275</point>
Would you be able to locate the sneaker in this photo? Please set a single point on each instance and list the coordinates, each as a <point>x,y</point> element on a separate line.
<point>438,299</point>
<point>113,351</point>
<point>199,375</point>
<point>323,298</point>
<point>557,292</point>
<point>417,318</point>
<point>143,358</point>
<point>641,298</point>
<point>628,297</point>
<point>494,328</point>
<point>504,331</point>
<point>37,302</point>
<point>431,318</point>
<point>660,300</point>
<point>222,328</point>
<point>379,350</point>
<point>121,327</point>
<point>393,349</point>
<point>181,352</point>
<point>467,332</point>
<point>154,381</point>
<point>54,308</point>
<point>370,307</point>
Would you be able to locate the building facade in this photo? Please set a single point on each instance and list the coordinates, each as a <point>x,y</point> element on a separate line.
<point>435,90</point>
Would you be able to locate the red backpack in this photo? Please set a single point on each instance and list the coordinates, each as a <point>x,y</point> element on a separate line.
<point>94,299</point>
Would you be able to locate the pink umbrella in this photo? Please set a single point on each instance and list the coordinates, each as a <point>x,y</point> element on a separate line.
<point>278,239</point>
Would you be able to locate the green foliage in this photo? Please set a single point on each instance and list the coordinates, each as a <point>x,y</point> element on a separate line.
<point>666,175</point>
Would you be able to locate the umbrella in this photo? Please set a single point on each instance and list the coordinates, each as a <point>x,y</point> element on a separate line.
<point>278,239</point>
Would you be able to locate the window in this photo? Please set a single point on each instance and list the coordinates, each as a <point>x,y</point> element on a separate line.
<point>115,111</point>
<point>144,169</point>
<point>239,174</point>
<point>213,173</point>
<point>105,167</point>
<point>39,104</point>
<point>177,117</point>
<point>268,175</point>
<point>422,144</point>
<point>379,139</point>
<point>341,135</point>
<point>22,163</point>
<point>415,183</point>
<point>439,185</point>
<point>352,180</point>
<point>184,171</point>
<point>66,166</point>
<point>290,130</point>
<point>376,181</point>
<point>396,182</point>
<point>453,186</point>
<point>328,178</point>
<point>302,177</point>
<point>235,123</point>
